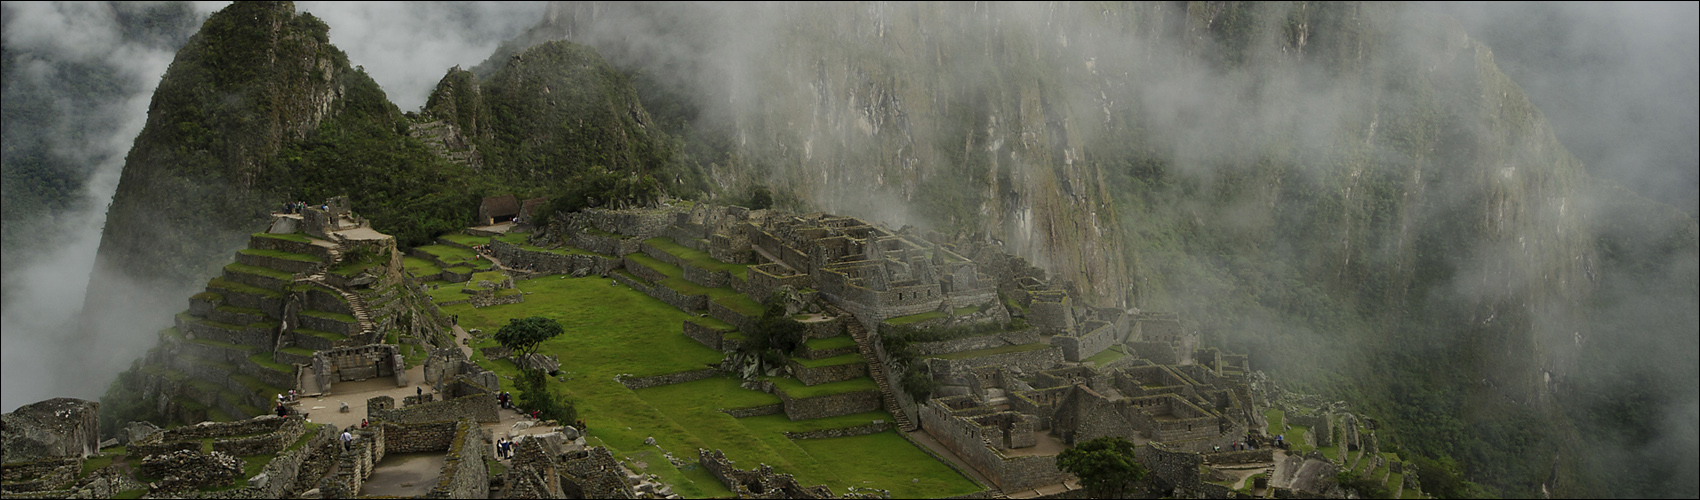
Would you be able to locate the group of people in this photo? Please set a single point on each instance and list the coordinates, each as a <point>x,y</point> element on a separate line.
<point>505,400</point>
<point>505,448</point>
<point>299,206</point>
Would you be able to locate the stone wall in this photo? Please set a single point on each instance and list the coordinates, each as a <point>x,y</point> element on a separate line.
<point>1028,361</point>
<point>1161,353</point>
<point>858,430</point>
<point>603,244</point>
<point>176,438</point>
<point>702,334</point>
<point>754,411</point>
<point>39,475</point>
<point>415,437</point>
<point>1241,457</point>
<point>988,341</point>
<point>464,474</point>
<point>831,405</point>
<point>280,244</point>
<point>1051,312</point>
<point>828,374</point>
<point>723,313</point>
<point>482,408</point>
<point>1100,336</point>
<point>273,442</point>
<point>964,437</point>
<point>1320,426</point>
<point>286,265</point>
<point>1167,468</point>
<point>635,383</point>
<point>515,257</point>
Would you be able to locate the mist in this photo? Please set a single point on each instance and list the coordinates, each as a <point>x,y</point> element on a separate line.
<point>405,47</point>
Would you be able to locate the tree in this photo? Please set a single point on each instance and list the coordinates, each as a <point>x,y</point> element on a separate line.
<point>534,394</point>
<point>525,335</point>
<point>1105,465</point>
<point>761,198</point>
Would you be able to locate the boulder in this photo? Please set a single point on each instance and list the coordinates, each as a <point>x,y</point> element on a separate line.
<point>55,428</point>
<point>259,480</point>
<point>546,362</point>
<point>570,432</point>
<point>135,431</point>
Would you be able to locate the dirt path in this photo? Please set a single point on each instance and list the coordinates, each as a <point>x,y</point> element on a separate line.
<point>404,474</point>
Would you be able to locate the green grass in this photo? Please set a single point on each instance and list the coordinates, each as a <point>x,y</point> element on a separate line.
<point>224,284</point>
<point>1296,435</point>
<point>298,350</point>
<point>226,345</point>
<point>697,258</point>
<point>886,461</point>
<point>420,267</point>
<point>797,390</point>
<point>830,343</point>
<point>844,359</point>
<point>454,257</point>
<point>712,323</point>
<point>1107,356</point>
<point>711,393</point>
<point>279,254</point>
<point>295,237</point>
<point>995,350</point>
<point>257,270</point>
<point>491,276</point>
<point>964,311</point>
<point>466,239</point>
<point>1411,494</point>
<point>738,303</point>
<point>519,240</point>
<point>321,334</point>
<point>914,318</point>
<point>605,234</point>
<point>265,360</point>
<point>603,324</point>
<point>444,291</point>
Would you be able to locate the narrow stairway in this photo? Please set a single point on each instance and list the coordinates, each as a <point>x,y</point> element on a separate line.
<point>876,369</point>
<point>355,303</point>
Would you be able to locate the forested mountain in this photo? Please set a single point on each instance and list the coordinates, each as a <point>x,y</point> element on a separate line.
<point>1354,194</point>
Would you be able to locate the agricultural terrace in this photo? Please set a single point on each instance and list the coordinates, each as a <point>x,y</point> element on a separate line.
<point>612,330</point>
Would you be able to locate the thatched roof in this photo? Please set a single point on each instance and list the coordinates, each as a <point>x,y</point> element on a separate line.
<point>501,206</point>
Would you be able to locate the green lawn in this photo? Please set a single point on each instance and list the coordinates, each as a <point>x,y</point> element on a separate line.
<point>796,389</point>
<point>844,359</point>
<point>725,296</point>
<point>995,350</point>
<point>1107,356</point>
<point>698,258</point>
<point>262,271</point>
<point>1275,418</point>
<point>616,330</point>
<point>452,256</point>
<point>830,343</point>
<point>280,255</point>
<point>519,240</point>
<point>914,318</point>
<point>886,461</point>
<point>420,267</point>
<point>466,239</point>
<point>1296,435</point>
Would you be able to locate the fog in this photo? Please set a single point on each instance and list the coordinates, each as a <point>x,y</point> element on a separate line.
<point>1616,82</point>
<point>405,47</point>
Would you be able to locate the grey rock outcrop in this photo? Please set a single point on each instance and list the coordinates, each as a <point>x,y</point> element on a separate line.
<point>55,428</point>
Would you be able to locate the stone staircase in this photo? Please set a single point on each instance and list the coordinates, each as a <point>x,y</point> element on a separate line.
<point>876,369</point>
<point>355,303</point>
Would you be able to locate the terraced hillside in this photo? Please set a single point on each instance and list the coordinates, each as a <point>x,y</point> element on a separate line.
<point>641,359</point>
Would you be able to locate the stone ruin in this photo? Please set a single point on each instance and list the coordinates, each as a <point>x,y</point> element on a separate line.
<point>544,468</point>
<point>760,482</point>
<point>184,470</point>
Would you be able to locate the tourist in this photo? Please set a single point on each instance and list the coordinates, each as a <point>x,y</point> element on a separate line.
<point>364,423</point>
<point>418,391</point>
<point>346,439</point>
<point>281,411</point>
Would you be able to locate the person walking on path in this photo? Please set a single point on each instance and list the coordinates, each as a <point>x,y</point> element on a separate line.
<point>346,439</point>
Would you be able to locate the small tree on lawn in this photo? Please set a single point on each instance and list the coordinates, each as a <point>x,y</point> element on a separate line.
<point>525,335</point>
<point>1104,465</point>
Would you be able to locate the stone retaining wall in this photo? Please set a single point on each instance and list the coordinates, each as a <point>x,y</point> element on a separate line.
<point>259,445</point>
<point>706,336</point>
<point>754,411</point>
<point>723,313</point>
<point>831,405</point>
<point>269,243</point>
<point>481,408</point>
<point>1241,457</point>
<point>349,328</point>
<point>286,265</point>
<point>642,271</point>
<point>255,280</point>
<point>174,439</point>
<point>859,430</point>
<point>635,383</point>
<point>1029,361</point>
<point>828,374</point>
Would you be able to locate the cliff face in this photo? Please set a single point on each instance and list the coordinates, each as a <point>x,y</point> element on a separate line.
<point>256,78</point>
